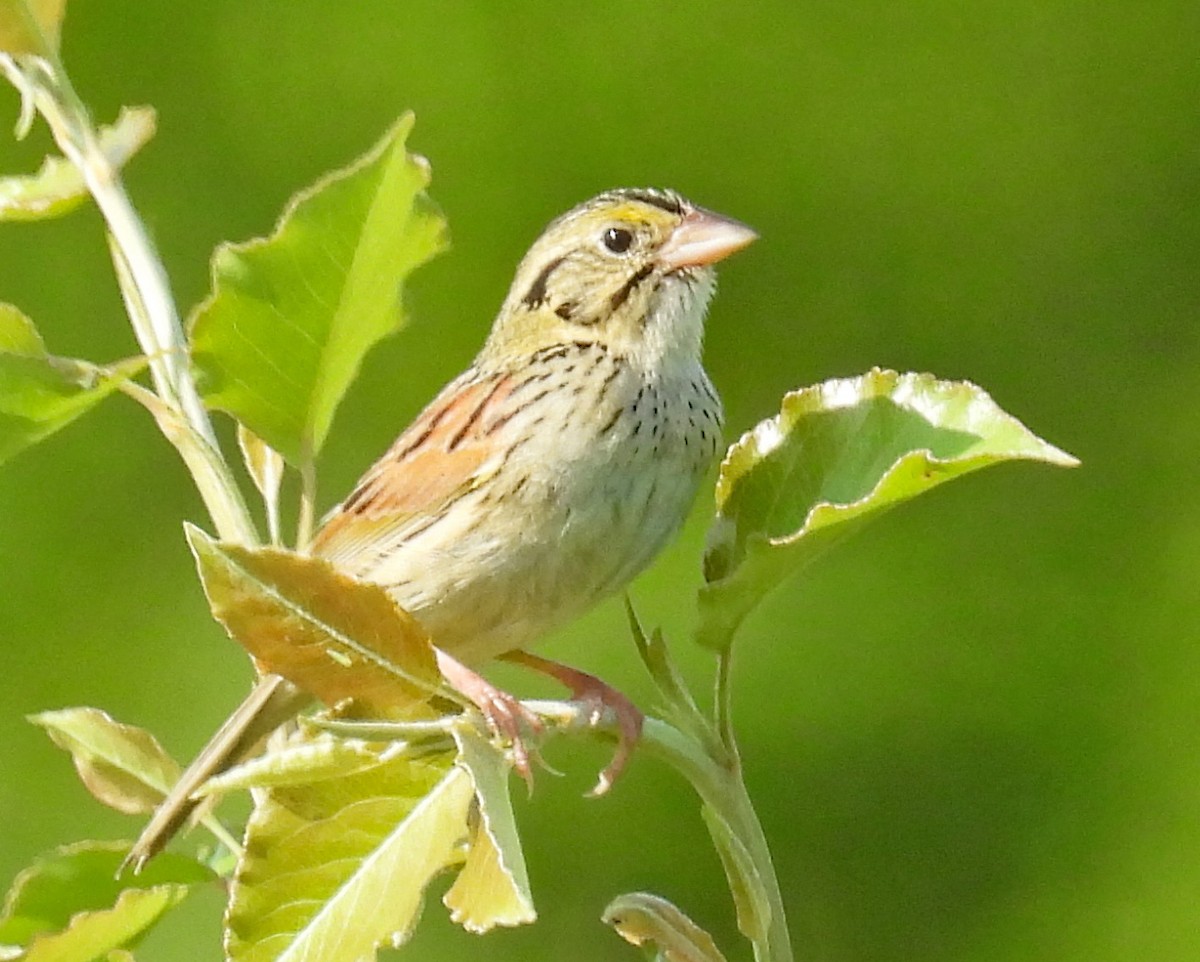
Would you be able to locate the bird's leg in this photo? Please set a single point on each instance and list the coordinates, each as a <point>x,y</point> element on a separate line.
<point>598,696</point>
<point>503,712</point>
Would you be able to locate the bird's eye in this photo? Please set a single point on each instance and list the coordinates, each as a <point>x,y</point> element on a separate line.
<point>617,239</point>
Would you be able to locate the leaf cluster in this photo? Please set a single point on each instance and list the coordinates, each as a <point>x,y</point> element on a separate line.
<point>388,786</point>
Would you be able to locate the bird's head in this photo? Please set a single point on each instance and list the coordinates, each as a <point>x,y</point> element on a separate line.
<point>632,268</point>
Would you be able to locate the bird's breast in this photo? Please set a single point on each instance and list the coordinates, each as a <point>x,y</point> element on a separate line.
<point>596,467</point>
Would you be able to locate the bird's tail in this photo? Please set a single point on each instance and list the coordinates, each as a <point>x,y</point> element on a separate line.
<point>273,701</point>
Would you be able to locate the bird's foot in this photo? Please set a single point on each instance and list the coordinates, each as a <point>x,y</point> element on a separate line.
<point>599,698</point>
<point>504,713</point>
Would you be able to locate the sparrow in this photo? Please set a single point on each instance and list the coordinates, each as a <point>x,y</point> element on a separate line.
<point>543,478</point>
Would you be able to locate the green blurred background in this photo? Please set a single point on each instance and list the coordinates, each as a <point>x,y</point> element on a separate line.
<point>973,730</point>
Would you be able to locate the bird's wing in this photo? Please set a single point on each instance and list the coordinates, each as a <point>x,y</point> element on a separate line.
<point>443,453</point>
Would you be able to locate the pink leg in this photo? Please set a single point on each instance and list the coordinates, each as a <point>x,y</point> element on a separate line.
<point>503,713</point>
<point>598,696</point>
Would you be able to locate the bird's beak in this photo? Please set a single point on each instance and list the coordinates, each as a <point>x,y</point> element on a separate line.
<point>703,237</point>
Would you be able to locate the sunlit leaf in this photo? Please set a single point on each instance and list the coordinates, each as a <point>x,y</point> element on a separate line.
<point>123,766</point>
<point>58,186</point>
<point>493,886</point>
<point>263,463</point>
<point>30,26</point>
<point>69,906</point>
<point>291,316</point>
<point>302,759</point>
<point>40,394</point>
<point>265,466</point>
<point>329,634</point>
<point>336,869</point>
<point>18,335</point>
<point>641,918</point>
<point>93,934</point>
<point>836,455</point>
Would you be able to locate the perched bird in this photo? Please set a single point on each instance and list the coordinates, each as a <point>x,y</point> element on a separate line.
<point>543,478</point>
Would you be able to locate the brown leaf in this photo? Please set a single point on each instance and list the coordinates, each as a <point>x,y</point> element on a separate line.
<point>335,637</point>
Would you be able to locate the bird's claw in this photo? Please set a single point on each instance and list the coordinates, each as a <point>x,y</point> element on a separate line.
<point>509,720</point>
<point>599,699</point>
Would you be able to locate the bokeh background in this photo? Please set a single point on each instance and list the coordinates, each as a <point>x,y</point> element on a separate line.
<point>973,730</point>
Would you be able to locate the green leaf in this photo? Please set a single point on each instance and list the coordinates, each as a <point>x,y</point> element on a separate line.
<point>291,317</point>
<point>331,635</point>
<point>18,335</point>
<point>91,935</point>
<point>123,766</point>
<point>301,760</point>
<point>751,903</point>
<point>493,886</point>
<point>676,704</point>
<point>641,918</point>
<point>69,906</point>
<point>31,26</point>
<point>58,186</point>
<point>838,454</point>
<point>40,394</point>
<point>334,870</point>
<point>265,466</point>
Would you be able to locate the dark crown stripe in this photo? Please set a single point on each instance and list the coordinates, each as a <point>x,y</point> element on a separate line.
<point>663,201</point>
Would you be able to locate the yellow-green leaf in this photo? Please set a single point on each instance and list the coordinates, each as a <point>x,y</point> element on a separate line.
<point>31,26</point>
<point>70,906</point>
<point>91,935</point>
<point>838,454</point>
<point>493,886</point>
<point>331,635</point>
<point>290,317</point>
<point>265,466</point>
<point>304,758</point>
<point>58,186</point>
<point>123,766</point>
<point>41,394</point>
<point>641,918</point>
<point>334,870</point>
<point>18,335</point>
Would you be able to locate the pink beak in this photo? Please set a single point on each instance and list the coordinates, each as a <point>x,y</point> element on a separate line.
<point>703,237</point>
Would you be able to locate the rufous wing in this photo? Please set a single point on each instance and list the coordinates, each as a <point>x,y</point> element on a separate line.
<point>439,456</point>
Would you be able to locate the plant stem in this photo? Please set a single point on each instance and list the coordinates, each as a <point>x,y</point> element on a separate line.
<point>751,870</point>
<point>144,285</point>
<point>724,792</point>
<point>723,703</point>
